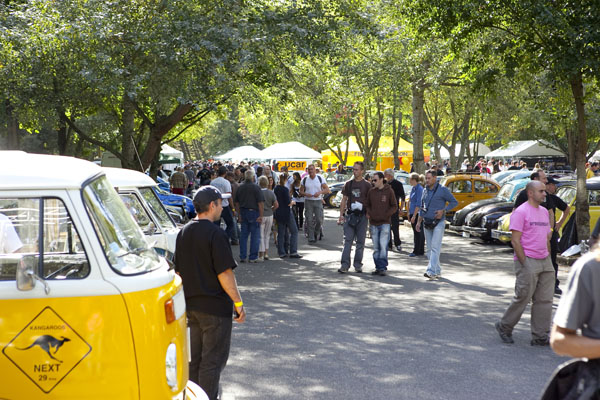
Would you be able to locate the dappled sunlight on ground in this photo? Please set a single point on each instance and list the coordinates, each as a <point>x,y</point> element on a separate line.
<point>312,333</point>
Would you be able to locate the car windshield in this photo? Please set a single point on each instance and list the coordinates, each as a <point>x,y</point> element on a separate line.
<point>567,194</point>
<point>121,238</point>
<point>506,191</point>
<point>157,208</point>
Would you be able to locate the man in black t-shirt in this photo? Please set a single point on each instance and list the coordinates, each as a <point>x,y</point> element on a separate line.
<point>205,263</point>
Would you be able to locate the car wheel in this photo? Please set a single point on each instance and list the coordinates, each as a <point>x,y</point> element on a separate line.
<point>330,200</point>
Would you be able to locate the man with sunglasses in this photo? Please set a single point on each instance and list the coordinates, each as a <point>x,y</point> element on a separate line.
<point>381,205</point>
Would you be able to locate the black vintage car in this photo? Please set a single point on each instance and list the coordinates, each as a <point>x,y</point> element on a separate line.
<point>507,193</point>
<point>480,222</point>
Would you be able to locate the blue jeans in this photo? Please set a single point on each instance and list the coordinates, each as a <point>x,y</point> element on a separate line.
<point>434,238</point>
<point>249,228</point>
<point>380,234</point>
<point>287,237</point>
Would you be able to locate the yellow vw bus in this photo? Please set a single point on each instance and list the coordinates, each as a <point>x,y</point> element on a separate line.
<point>87,309</point>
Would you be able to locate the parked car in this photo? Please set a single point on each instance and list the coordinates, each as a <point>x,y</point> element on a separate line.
<point>468,188</point>
<point>498,176</point>
<point>334,188</point>
<point>177,200</point>
<point>480,222</point>
<point>518,174</point>
<point>567,192</point>
<point>163,183</point>
<point>508,192</point>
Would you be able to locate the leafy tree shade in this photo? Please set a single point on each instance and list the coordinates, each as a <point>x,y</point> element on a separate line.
<point>562,37</point>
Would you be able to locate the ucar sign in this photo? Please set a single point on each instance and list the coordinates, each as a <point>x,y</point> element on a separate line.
<point>292,165</point>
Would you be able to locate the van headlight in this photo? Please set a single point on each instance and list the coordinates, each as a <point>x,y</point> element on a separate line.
<point>171,366</point>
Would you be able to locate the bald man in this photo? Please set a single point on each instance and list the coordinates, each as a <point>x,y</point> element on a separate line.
<point>530,227</point>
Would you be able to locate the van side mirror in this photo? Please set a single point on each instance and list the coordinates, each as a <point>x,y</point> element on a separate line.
<point>26,275</point>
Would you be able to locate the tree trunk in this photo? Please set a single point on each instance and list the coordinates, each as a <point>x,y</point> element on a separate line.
<point>62,137</point>
<point>581,201</point>
<point>418,102</point>
<point>396,133</point>
<point>571,140</point>
<point>162,126</point>
<point>127,128</point>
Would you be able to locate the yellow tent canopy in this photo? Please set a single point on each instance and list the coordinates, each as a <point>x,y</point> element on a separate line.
<point>384,156</point>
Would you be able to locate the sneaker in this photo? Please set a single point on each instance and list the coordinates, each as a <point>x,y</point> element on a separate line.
<point>243,260</point>
<point>260,259</point>
<point>412,255</point>
<point>342,270</point>
<point>399,249</point>
<point>283,256</point>
<point>557,290</point>
<point>505,337</point>
<point>253,261</point>
<point>266,257</point>
<point>295,256</point>
<point>379,272</point>
<point>540,342</point>
<point>358,270</point>
<point>426,275</point>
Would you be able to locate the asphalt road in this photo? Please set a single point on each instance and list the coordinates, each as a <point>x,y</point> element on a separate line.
<point>312,333</point>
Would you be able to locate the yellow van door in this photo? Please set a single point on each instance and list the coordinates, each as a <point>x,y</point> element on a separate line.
<point>69,336</point>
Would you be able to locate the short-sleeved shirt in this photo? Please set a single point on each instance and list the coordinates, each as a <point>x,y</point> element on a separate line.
<point>203,252</point>
<point>269,201</point>
<point>312,186</point>
<point>9,239</point>
<point>534,225</point>
<point>224,186</point>
<point>356,191</point>
<point>249,195</point>
<point>436,199</point>
<point>579,304</point>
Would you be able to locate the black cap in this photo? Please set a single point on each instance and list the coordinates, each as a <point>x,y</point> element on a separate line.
<point>552,180</point>
<point>207,194</point>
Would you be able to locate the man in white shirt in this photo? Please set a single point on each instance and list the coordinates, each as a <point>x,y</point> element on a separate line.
<point>313,187</point>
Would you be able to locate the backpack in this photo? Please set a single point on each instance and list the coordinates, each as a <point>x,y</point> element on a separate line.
<point>304,180</point>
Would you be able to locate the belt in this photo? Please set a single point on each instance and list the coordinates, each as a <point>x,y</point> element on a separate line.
<point>248,209</point>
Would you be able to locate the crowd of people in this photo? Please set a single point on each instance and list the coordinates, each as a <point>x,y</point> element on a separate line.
<point>268,204</point>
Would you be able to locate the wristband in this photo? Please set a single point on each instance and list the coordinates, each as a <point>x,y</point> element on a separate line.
<point>238,304</point>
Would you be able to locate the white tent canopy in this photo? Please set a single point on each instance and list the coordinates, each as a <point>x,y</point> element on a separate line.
<point>525,148</point>
<point>482,150</point>
<point>170,151</point>
<point>290,151</point>
<point>241,153</point>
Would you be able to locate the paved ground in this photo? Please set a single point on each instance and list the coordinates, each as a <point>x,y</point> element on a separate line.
<point>313,333</point>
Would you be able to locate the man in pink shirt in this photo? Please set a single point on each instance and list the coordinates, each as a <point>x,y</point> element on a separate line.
<point>530,227</point>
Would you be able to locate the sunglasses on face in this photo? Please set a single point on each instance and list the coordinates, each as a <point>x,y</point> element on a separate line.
<point>374,180</point>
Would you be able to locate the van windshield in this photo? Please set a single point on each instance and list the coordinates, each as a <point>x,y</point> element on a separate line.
<point>157,208</point>
<point>121,238</point>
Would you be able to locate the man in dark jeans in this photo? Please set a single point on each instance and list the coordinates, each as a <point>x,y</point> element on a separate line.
<point>401,197</point>
<point>249,200</point>
<point>205,263</point>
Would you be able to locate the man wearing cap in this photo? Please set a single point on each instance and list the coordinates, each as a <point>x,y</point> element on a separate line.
<point>204,260</point>
<point>249,201</point>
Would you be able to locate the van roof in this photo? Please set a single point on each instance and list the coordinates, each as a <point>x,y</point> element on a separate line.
<point>127,178</point>
<point>20,170</point>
